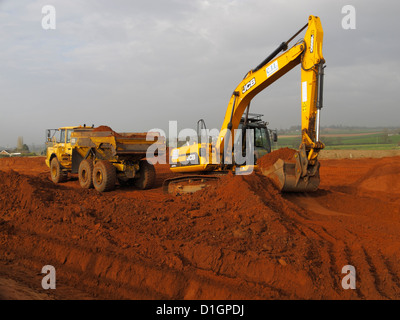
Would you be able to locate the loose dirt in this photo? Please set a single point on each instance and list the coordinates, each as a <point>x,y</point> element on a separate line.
<point>140,135</point>
<point>106,129</point>
<point>238,239</point>
<point>269,159</point>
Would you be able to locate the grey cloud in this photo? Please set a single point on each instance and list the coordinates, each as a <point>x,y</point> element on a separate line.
<point>134,65</point>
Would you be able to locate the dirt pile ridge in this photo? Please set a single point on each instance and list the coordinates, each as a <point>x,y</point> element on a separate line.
<point>384,177</point>
<point>141,135</point>
<point>238,239</point>
<point>269,159</point>
<point>19,192</point>
<point>105,129</point>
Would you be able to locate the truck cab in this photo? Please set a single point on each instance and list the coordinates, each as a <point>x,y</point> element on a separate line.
<point>58,143</point>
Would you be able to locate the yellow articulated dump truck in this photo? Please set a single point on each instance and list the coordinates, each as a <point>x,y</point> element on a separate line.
<point>102,157</point>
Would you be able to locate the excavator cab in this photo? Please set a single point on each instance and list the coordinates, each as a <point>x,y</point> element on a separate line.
<point>262,136</point>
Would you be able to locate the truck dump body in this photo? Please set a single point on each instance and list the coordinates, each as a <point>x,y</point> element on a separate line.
<point>102,157</point>
<point>109,144</point>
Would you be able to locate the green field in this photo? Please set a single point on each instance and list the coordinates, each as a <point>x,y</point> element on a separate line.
<point>374,141</point>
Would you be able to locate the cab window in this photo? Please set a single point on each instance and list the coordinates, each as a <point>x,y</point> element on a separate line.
<point>62,136</point>
<point>261,138</point>
<point>69,136</point>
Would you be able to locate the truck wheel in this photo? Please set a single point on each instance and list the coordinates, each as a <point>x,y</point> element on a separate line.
<point>57,175</point>
<point>147,175</point>
<point>104,176</point>
<point>85,174</point>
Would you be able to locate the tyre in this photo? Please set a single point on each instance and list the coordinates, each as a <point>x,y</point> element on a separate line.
<point>147,175</point>
<point>56,173</point>
<point>104,176</point>
<point>85,174</point>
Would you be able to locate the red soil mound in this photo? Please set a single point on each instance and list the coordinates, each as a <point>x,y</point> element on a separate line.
<point>383,177</point>
<point>106,128</point>
<point>141,135</point>
<point>269,159</point>
<point>26,165</point>
<point>103,128</point>
<point>238,239</point>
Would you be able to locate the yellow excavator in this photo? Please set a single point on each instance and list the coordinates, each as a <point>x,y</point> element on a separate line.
<point>204,161</point>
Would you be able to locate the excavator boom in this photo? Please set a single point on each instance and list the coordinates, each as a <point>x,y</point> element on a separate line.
<point>308,53</point>
<point>303,174</point>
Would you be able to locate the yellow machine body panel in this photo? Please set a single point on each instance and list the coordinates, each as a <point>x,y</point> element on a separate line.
<point>192,158</point>
<point>62,149</point>
<point>308,54</point>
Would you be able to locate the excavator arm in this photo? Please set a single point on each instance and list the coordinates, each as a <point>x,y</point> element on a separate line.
<point>307,53</point>
<point>303,173</point>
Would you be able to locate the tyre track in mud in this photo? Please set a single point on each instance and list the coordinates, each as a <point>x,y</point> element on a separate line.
<point>108,276</point>
<point>374,277</point>
<point>237,240</point>
<point>49,248</point>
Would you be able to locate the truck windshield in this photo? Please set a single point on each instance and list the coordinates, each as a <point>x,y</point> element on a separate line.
<point>69,136</point>
<point>53,135</point>
<point>62,136</point>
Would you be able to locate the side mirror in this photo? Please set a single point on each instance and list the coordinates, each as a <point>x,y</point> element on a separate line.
<point>275,136</point>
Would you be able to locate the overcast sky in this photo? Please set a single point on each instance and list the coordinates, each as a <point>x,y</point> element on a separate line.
<point>135,65</point>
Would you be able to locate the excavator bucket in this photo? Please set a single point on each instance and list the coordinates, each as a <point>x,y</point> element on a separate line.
<point>296,176</point>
